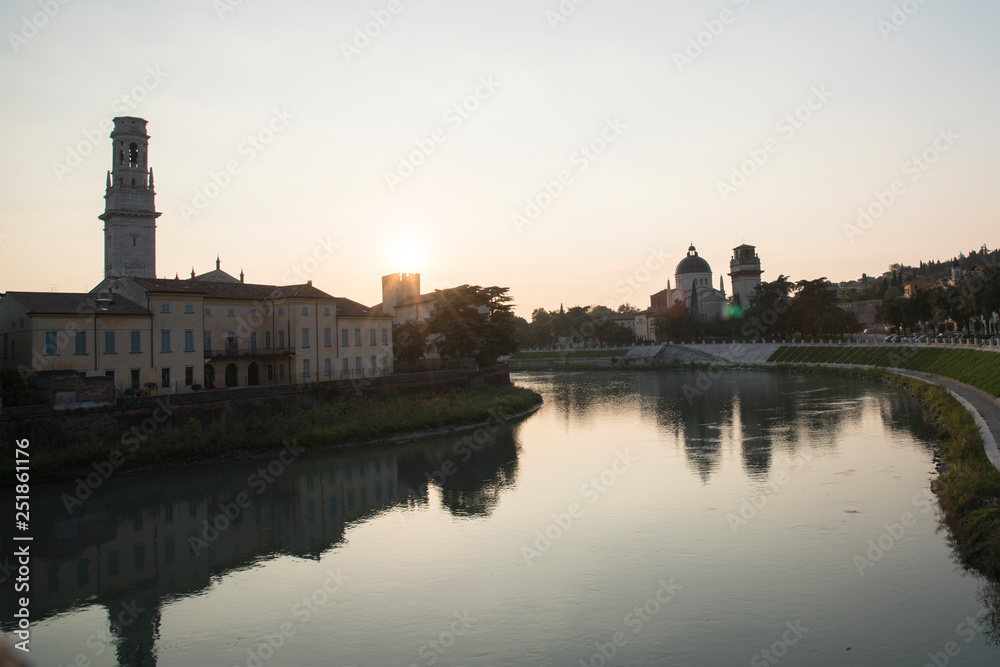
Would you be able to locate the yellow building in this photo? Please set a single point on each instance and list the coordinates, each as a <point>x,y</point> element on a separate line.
<point>212,330</point>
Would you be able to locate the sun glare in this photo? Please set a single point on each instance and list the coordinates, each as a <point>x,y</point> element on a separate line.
<point>408,255</point>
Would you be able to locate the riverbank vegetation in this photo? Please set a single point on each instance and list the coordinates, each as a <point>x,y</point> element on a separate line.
<point>978,368</point>
<point>243,431</point>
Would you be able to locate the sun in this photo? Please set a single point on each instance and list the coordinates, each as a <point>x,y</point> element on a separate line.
<point>408,255</point>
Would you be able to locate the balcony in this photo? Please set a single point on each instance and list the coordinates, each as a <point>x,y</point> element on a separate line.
<point>236,352</point>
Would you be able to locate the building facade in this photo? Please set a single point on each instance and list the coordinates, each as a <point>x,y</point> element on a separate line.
<point>214,330</point>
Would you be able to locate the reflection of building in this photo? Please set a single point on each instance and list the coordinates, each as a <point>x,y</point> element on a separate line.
<point>209,330</point>
<point>152,539</point>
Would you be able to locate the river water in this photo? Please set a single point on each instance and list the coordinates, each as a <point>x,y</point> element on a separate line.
<point>646,518</point>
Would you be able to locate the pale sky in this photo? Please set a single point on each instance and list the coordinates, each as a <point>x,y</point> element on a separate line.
<point>209,74</point>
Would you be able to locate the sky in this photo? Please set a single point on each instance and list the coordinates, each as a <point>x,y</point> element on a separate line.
<point>569,150</point>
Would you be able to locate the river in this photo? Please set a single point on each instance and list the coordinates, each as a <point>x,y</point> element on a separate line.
<point>637,518</point>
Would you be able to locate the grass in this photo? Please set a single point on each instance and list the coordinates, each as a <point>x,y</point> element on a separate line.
<point>242,431</point>
<point>570,354</point>
<point>975,367</point>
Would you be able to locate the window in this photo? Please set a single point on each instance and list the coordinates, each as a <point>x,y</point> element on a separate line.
<point>109,342</point>
<point>281,371</point>
<point>326,338</point>
<point>374,364</point>
<point>385,336</point>
<point>208,312</point>
<point>357,365</point>
<point>81,342</point>
<point>253,342</point>
<point>231,312</point>
<point>188,376</point>
<point>164,307</point>
<point>189,308</point>
<point>135,342</point>
<point>347,367</point>
<point>371,337</point>
<point>134,378</point>
<point>357,337</point>
<point>139,556</point>
<point>385,364</point>
<point>189,341</point>
<point>327,368</point>
<point>164,340</point>
<point>305,310</point>
<point>281,340</point>
<point>50,343</point>
<point>326,310</point>
<point>267,312</point>
<point>305,338</point>
<point>270,372</point>
<point>253,312</point>
<point>305,368</point>
<point>165,377</point>
<point>110,374</point>
<point>343,337</point>
<point>267,340</point>
<point>207,335</point>
<point>281,311</point>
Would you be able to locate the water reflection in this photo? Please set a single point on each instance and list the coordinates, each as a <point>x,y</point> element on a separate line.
<point>143,541</point>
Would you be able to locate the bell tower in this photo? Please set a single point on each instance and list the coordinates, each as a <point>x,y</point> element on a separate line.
<point>129,213</point>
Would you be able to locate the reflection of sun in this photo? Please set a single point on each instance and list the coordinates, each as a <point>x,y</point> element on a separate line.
<point>407,255</point>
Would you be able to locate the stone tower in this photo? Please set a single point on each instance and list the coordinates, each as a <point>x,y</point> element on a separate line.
<point>129,214</point>
<point>744,269</point>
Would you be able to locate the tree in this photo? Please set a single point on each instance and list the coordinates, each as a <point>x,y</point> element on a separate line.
<point>409,340</point>
<point>473,321</point>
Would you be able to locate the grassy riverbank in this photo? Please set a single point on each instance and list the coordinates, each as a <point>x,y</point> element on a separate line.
<point>980,368</point>
<point>245,431</point>
<point>968,487</point>
<point>570,354</point>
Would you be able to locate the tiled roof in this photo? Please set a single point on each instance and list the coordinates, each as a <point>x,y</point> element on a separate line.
<point>234,291</point>
<point>75,303</point>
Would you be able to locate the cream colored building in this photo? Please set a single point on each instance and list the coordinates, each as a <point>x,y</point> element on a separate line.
<point>212,330</point>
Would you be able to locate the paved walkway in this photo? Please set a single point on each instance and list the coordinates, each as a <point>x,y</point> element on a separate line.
<point>984,408</point>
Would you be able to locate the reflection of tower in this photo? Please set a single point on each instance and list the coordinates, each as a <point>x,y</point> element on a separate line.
<point>135,620</point>
<point>129,214</point>
<point>744,269</point>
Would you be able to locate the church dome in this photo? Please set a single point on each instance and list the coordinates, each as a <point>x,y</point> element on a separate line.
<point>692,264</point>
